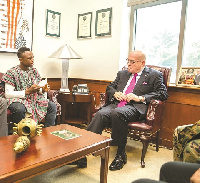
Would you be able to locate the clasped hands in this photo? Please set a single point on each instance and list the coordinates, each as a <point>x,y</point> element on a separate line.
<point>36,88</point>
<point>126,97</point>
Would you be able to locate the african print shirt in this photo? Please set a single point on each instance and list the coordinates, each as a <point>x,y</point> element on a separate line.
<point>35,103</point>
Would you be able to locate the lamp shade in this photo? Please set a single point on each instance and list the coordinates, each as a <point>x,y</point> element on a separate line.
<point>64,52</point>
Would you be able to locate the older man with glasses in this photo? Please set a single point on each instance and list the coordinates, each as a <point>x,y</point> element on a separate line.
<point>128,99</point>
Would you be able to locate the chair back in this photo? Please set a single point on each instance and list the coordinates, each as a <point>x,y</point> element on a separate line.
<point>166,72</point>
<point>1,75</point>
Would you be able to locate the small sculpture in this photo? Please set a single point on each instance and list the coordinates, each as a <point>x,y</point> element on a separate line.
<point>22,144</point>
<point>26,129</point>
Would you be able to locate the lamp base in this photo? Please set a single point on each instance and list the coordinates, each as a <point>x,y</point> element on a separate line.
<point>64,90</point>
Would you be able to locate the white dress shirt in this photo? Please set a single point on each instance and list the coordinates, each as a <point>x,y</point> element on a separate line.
<point>11,93</point>
<point>131,77</point>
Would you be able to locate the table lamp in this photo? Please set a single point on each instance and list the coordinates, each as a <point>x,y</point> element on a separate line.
<point>65,53</point>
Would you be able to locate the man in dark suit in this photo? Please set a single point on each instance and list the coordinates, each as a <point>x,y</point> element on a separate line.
<point>126,104</point>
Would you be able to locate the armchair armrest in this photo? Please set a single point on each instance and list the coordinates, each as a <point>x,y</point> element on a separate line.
<point>103,100</point>
<point>52,96</point>
<point>155,114</point>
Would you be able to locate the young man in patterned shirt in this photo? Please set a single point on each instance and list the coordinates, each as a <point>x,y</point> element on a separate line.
<point>25,93</point>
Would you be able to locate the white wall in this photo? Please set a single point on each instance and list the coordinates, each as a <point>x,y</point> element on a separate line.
<point>101,55</point>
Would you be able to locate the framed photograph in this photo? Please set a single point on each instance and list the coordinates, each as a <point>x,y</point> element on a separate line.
<point>16,25</point>
<point>84,25</point>
<point>103,22</point>
<point>189,76</point>
<point>53,23</point>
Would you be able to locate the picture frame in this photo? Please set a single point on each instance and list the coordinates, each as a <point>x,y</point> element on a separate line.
<point>84,25</point>
<point>16,25</point>
<point>53,23</point>
<point>189,76</point>
<point>103,22</point>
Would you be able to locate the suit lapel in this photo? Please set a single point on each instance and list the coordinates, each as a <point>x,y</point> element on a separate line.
<point>142,78</point>
<point>125,80</point>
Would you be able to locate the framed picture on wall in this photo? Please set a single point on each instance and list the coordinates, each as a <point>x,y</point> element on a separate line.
<point>189,76</point>
<point>103,22</point>
<point>84,25</point>
<point>16,25</point>
<point>53,23</point>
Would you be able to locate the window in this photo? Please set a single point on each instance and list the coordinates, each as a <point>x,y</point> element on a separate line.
<point>159,30</point>
<point>191,53</point>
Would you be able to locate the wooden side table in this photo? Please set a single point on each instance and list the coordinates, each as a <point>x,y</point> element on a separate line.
<point>76,108</point>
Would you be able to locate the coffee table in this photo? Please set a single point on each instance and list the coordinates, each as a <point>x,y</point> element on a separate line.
<point>48,152</point>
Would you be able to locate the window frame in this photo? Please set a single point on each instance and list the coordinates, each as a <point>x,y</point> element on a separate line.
<point>181,32</point>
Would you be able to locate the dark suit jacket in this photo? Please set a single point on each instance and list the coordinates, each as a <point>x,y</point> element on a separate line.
<point>149,85</point>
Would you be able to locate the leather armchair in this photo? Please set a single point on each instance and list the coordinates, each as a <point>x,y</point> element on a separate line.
<point>51,95</point>
<point>145,130</point>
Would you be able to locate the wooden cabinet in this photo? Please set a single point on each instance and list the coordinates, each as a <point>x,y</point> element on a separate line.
<point>76,108</point>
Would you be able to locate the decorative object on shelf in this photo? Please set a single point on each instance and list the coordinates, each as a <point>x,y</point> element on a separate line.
<point>26,129</point>
<point>189,76</point>
<point>16,25</point>
<point>53,23</point>
<point>103,22</point>
<point>65,53</point>
<point>84,25</point>
<point>80,89</point>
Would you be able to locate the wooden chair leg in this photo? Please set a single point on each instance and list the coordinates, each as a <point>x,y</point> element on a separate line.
<point>145,143</point>
<point>157,140</point>
<point>10,128</point>
<point>58,120</point>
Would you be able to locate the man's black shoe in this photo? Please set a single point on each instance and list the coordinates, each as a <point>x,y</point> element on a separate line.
<point>81,163</point>
<point>119,161</point>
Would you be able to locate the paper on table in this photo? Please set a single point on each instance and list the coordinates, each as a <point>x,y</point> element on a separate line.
<point>65,134</point>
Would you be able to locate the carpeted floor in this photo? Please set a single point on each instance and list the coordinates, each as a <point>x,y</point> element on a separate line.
<point>131,171</point>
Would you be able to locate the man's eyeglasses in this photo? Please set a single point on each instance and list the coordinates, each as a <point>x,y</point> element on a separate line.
<point>131,61</point>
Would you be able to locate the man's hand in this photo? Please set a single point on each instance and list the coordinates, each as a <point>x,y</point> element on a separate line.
<point>132,96</point>
<point>120,96</point>
<point>45,88</point>
<point>123,97</point>
<point>33,89</point>
<point>195,177</point>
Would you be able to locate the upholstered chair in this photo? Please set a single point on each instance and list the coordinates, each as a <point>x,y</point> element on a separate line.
<point>145,130</point>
